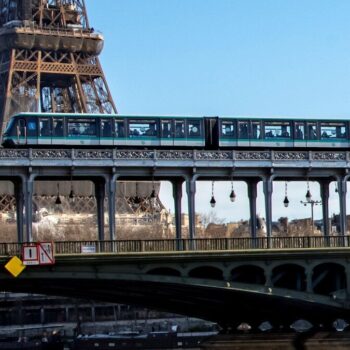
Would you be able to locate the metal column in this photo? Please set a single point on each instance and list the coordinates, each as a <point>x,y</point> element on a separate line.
<point>268,188</point>
<point>28,200</point>
<point>112,188</point>
<point>19,197</point>
<point>177,194</point>
<point>324,184</point>
<point>100,197</point>
<point>252,195</point>
<point>191,193</point>
<point>342,189</point>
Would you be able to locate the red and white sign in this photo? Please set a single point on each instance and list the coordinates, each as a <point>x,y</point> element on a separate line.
<point>30,254</point>
<point>38,254</point>
<point>45,251</point>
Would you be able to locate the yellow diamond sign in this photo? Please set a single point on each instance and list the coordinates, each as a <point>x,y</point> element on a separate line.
<point>15,266</point>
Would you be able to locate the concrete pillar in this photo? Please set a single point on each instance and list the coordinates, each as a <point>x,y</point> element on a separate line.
<point>112,188</point>
<point>191,194</point>
<point>177,194</point>
<point>309,285</point>
<point>268,188</point>
<point>28,200</point>
<point>100,197</point>
<point>324,184</point>
<point>252,195</point>
<point>19,197</point>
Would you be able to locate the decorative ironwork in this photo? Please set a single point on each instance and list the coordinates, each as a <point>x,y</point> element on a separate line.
<point>175,155</point>
<point>171,155</point>
<point>13,153</point>
<point>93,154</point>
<point>134,155</point>
<point>331,156</point>
<point>51,154</point>
<point>249,155</point>
<point>214,155</point>
<point>283,155</point>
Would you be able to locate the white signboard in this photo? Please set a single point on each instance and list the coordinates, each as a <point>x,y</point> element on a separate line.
<point>30,255</point>
<point>45,251</point>
<point>88,249</point>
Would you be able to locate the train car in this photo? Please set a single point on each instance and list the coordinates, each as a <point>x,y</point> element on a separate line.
<point>282,132</point>
<point>100,130</point>
<point>69,130</point>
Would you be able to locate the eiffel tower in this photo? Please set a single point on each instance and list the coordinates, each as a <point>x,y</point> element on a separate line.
<point>49,63</point>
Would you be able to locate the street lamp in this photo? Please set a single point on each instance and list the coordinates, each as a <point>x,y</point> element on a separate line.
<point>232,194</point>
<point>286,200</point>
<point>312,204</point>
<point>212,200</point>
<point>308,195</point>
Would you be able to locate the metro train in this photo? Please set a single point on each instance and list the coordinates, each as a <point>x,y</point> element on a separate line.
<point>96,130</point>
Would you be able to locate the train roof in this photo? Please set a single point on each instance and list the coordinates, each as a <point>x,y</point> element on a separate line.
<point>238,117</point>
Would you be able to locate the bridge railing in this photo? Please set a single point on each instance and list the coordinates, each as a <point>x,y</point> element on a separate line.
<point>200,244</point>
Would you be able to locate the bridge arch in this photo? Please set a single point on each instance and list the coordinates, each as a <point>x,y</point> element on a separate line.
<point>207,272</point>
<point>250,274</point>
<point>289,276</point>
<point>328,278</point>
<point>164,271</point>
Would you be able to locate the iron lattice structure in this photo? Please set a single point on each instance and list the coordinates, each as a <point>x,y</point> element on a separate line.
<point>49,63</point>
<point>49,59</point>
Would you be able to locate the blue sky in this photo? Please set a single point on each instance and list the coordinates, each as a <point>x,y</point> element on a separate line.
<point>227,57</point>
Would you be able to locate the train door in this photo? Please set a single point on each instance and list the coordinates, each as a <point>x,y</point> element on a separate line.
<point>179,139</point>
<point>211,132</point>
<point>45,131</point>
<point>167,132</point>
<point>106,131</point>
<point>299,134</point>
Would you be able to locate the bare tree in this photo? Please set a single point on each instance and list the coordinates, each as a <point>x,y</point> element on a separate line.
<point>210,218</point>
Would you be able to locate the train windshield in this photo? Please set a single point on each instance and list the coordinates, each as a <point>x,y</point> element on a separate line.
<point>10,127</point>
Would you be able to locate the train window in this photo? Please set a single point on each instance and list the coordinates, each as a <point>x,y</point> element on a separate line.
<point>44,127</point>
<point>243,130</point>
<point>228,129</point>
<point>299,131</point>
<point>106,127</point>
<point>142,128</point>
<point>333,131</point>
<point>81,127</point>
<point>167,129</point>
<point>277,130</point>
<point>179,128</point>
<point>58,126</point>
<point>256,130</point>
<point>312,131</point>
<point>119,128</point>
<point>32,127</point>
<point>194,128</point>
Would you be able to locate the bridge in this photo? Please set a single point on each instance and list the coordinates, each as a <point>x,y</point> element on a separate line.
<point>223,280</point>
<point>106,167</point>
